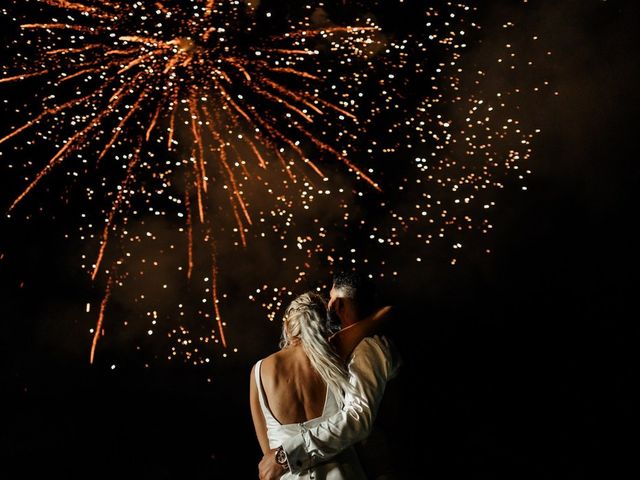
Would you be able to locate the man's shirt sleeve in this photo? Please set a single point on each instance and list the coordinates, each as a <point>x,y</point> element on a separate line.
<point>371,365</point>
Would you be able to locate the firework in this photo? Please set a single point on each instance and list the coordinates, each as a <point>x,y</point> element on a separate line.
<point>266,143</point>
<point>190,74</point>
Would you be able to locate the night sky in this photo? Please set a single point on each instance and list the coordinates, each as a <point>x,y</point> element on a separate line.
<point>522,356</point>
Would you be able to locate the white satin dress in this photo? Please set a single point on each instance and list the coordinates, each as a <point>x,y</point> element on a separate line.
<point>344,466</point>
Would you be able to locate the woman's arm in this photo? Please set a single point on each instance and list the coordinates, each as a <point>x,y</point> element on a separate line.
<point>259,422</point>
<point>344,341</point>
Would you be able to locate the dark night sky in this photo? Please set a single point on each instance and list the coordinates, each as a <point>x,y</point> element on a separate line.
<point>524,355</point>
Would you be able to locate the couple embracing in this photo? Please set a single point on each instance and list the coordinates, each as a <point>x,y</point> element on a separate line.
<point>313,402</point>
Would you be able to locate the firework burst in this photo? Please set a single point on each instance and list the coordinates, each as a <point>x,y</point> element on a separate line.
<point>195,77</point>
<point>253,140</point>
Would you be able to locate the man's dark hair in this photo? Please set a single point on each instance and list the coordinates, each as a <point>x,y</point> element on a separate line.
<point>358,287</point>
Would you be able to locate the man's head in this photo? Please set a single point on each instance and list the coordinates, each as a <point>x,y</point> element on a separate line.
<point>351,298</point>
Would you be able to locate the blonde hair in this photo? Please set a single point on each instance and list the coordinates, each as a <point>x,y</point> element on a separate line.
<point>305,319</point>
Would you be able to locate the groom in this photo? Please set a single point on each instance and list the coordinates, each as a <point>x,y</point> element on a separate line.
<point>372,364</point>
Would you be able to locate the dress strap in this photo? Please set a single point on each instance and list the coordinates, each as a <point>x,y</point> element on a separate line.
<point>263,404</point>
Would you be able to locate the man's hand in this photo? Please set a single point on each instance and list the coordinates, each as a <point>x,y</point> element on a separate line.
<point>268,468</point>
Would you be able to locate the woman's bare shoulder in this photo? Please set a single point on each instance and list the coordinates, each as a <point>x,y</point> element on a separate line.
<point>271,363</point>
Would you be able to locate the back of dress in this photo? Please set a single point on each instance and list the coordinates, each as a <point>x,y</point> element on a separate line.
<point>345,466</point>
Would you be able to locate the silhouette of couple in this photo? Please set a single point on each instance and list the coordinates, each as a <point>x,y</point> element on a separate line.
<point>314,401</point>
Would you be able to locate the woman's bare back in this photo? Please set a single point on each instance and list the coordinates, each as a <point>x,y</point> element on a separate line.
<point>295,391</point>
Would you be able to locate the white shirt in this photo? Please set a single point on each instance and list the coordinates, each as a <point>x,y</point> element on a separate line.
<point>372,364</point>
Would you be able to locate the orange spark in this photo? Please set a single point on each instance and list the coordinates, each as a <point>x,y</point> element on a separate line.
<point>214,295</point>
<point>22,76</point>
<point>59,26</point>
<point>173,103</point>
<point>94,11</point>
<point>322,31</point>
<point>195,128</point>
<point>187,206</point>
<point>98,329</point>
<point>114,208</point>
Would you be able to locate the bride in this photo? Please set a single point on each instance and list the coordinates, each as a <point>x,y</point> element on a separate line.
<point>297,387</point>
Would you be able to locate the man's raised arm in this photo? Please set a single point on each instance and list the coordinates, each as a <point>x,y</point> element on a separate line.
<point>372,364</point>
